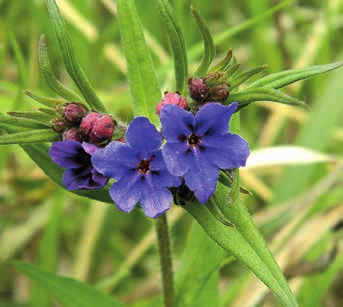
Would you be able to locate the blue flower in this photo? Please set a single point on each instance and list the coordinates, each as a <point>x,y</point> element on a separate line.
<point>139,169</point>
<point>198,146</point>
<point>76,157</point>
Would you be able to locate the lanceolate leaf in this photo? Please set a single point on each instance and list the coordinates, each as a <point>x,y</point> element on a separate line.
<point>22,122</point>
<point>233,242</point>
<point>70,292</point>
<point>287,77</point>
<point>223,64</point>
<point>143,82</point>
<point>176,41</point>
<point>209,49</point>
<point>32,136</point>
<point>39,153</point>
<point>49,77</point>
<point>42,117</point>
<point>246,75</point>
<point>250,95</point>
<point>70,60</point>
<point>48,102</point>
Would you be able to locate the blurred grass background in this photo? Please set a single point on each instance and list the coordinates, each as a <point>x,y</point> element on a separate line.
<point>299,208</point>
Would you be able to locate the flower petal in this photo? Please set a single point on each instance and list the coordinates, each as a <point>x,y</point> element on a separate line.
<point>176,122</point>
<point>79,179</point>
<point>202,177</point>
<point>127,191</point>
<point>213,118</point>
<point>115,160</point>
<point>176,159</point>
<point>231,151</point>
<point>155,200</point>
<point>69,153</point>
<point>142,136</point>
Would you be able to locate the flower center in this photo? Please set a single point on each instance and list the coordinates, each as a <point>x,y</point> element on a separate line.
<point>194,139</point>
<point>143,166</point>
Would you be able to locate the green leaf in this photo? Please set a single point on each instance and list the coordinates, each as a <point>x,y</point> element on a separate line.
<point>48,102</point>
<point>70,59</point>
<point>250,95</point>
<point>281,79</point>
<point>42,117</point>
<point>22,122</point>
<point>244,76</point>
<point>32,136</point>
<point>223,64</point>
<point>49,77</point>
<point>199,262</point>
<point>233,242</point>
<point>68,291</point>
<point>240,217</point>
<point>39,153</point>
<point>142,77</point>
<point>209,49</point>
<point>177,42</point>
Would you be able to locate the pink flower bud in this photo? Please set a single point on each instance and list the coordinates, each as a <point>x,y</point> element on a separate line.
<point>98,127</point>
<point>172,98</point>
<point>198,89</point>
<point>219,93</point>
<point>74,134</point>
<point>74,112</point>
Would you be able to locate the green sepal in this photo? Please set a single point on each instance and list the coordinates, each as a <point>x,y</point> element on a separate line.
<point>143,82</point>
<point>39,116</point>
<point>209,49</point>
<point>48,102</point>
<point>70,60</point>
<point>22,122</point>
<point>250,95</point>
<point>69,292</point>
<point>233,242</point>
<point>27,137</point>
<point>39,153</point>
<point>177,42</point>
<point>227,181</point>
<point>53,83</point>
<point>214,209</point>
<point>231,71</point>
<point>283,78</point>
<point>245,76</point>
<point>223,64</point>
<point>47,111</point>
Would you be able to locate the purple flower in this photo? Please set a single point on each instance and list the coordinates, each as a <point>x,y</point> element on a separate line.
<point>198,146</point>
<point>139,169</point>
<point>76,157</point>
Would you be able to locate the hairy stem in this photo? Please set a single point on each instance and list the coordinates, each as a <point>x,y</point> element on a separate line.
<point>165,260</point>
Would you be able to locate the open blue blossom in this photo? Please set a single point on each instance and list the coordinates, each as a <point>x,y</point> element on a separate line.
<point>76,157</point>
<point>198,146</point>
<point>139,169</point>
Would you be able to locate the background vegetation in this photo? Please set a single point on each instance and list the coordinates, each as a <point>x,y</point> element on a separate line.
<point>297,196</point>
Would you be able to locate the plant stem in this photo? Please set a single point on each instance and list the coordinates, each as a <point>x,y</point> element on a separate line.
<point>165,260</point>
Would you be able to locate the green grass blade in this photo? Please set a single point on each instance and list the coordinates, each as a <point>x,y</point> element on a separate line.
<point>142,77</point>
<point>177,42</point>
<point>209,49</point>
<point>70,59</point>
<point>69,292</point>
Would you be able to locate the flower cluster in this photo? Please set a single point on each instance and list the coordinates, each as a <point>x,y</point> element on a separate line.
<point>195,148</point>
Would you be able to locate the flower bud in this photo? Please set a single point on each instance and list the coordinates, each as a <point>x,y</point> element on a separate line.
<point>59,125</point>
<point>198,89</point>
<point>219,93</point>
<point>74,112</point>
<point>98,127</point>
<point>75,134</point>
<point>172,98</point>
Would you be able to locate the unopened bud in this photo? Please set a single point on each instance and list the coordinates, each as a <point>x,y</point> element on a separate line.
<point>98,127</point>
<point>172,98</point>
<point>74,112</point>
<point>74,134</point>
<point>219,93</point>
<point>198,89</point>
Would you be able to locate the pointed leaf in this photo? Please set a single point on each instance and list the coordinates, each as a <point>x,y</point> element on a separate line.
<point>42,117</point>
<point>177,42</point>
<point>143,82</point>
<point>209,49</point>
<point>32,136</point>
<point>232,241</point>
<point>69,292</point>
<point>22,122</point>
<point>70,59</point>
<point>247,96</point>
<point>281,79</point>
<point>39,153</point>
<point>223,64</point>
<point>48,102</point>
<point>246,75</point>
<point>49,77</point>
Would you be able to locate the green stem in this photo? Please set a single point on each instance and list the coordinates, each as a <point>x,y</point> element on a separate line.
<point>165,260</point>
